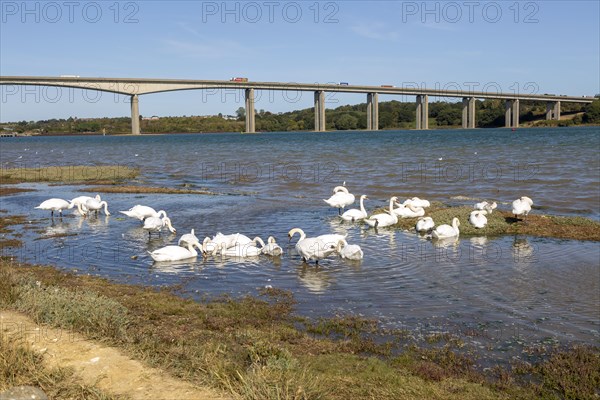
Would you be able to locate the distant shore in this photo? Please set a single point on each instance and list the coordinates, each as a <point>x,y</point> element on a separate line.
<point>441,128</point>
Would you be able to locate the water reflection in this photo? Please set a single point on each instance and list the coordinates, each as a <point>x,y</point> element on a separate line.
<point>173,267</point>
<point>523,252</point>
<point>316,280</point>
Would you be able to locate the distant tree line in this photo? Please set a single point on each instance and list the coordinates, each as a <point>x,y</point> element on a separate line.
<point>392,115</point>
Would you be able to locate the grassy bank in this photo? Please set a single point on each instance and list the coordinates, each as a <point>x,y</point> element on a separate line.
<point>256,348</point>
<point>71,174</point>
<point>504,223</point>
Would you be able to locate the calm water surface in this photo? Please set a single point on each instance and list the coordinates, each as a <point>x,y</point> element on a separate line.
<point>509,289</point>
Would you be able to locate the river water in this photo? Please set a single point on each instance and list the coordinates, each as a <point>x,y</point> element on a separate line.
<point>502,293</point>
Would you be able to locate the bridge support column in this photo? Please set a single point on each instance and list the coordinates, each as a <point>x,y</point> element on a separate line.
<point>508,113</point>
<point>422,112</point>
<point>553,110</point>
<point>135,115</point>
<point>250,120</point>
<point>319,111</point>
<point>471,113</point>
<point>549,110</point>
<point>515,113</point>
<point>465,113</point>
<point>372,111</point>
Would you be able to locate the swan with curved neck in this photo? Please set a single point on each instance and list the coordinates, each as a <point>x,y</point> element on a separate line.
<point>142,212</point>
<point>210,247</point>
<point>175,253</point>
<point>340,199</point>
<point>154,224</point>
<point>81,200</point>
<point>383,220</point>
<point>54,205</point>
<point>349,251</point>
<point>312,248</point>
<point>96,205</point>
<point>478,219</point>
<point>447,231</point>
<point>356,214</point>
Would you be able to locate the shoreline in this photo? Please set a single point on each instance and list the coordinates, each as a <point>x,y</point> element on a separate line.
<point>260,344</point>
<point>435,128</point>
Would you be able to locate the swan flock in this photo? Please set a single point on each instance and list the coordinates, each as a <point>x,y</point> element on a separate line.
<point>313,248</point>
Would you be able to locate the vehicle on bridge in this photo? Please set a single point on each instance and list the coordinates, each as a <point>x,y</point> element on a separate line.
<point>343,83</point>
<point>387,86</point>
<point>239,79</point>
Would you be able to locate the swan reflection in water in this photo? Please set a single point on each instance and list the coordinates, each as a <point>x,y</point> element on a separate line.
<point>523,252</point>
<point>96,223</point>
<point>315,280</point>
<point>479,241</point>
<point>173,267</point>
<point>379,235</point>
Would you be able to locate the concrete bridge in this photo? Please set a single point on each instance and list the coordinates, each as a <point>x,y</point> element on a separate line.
<point>136,87</point>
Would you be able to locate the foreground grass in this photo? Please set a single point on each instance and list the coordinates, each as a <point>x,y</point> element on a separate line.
<point>21,366</point>
<point>101,174</point>
<point>504,223</point>
<point>253,347</point>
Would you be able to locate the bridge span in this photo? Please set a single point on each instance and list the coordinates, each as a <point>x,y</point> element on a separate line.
<point>134,87</point>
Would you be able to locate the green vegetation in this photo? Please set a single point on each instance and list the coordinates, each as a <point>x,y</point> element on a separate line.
<point>255,348</point>
<point>392,115</point>
<point>100,174</point>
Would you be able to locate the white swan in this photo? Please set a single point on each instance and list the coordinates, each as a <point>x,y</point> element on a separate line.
<point>340,199</point>
<point>311,248</point>
<point>188,238</point>
<point>54,205</point>
<point>522,206</point>
<point>478,218</point>
<point>94,204</point>
<point>231,240</point>
<point>417,202</point>
<point>349,251</point>
<point>174,253</point>
<point>81,200</point>
<point>243,250</point>
<point>331,238</point>
<point>271,248</point>
<point>408,211</point>
<point>355,214</point>
<point>210,247</point>
<point>484,205</point>
<point>447,231</point>
<point>424,224</point>
<point>154,224</point>
<point>383,220</point>
<point>142,212</point>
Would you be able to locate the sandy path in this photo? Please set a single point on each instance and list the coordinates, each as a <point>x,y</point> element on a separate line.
<point>98,364</point>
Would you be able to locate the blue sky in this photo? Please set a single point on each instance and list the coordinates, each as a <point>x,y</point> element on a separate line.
<point>528,46</point>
